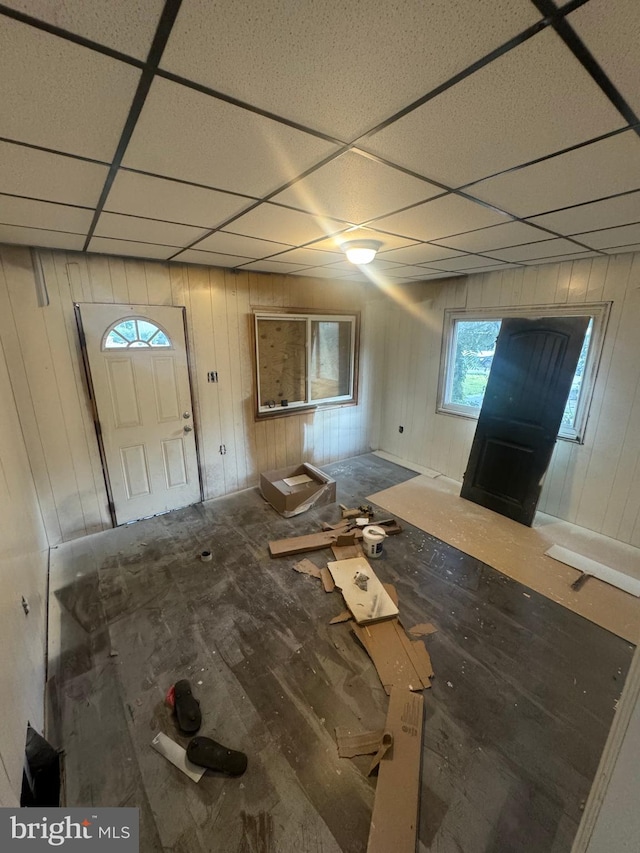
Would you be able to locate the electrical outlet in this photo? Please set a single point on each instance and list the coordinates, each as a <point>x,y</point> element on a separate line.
<point>400,429</point>
<point>223,449</point>
<point>212,376</point>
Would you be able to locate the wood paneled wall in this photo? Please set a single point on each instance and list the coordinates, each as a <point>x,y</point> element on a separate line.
<point>45,366</point>
<point>23,572</point>
<point>596,484</point>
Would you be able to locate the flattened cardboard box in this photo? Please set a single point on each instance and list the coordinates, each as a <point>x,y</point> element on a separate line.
<point>290,500</point>
<point>394,822</point>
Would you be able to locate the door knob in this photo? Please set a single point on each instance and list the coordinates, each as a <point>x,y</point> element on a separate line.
<point>188,428</point>
<point>186,415</point>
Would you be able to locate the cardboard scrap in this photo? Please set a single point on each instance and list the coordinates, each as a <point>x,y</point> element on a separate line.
<point>306,567</point>
<point>423,629</point>
<point>399,661</point>
<point>385,745</point>
<point>327,580</point>
<point>367,605</point>
<point>320,540</point>
<point>362,743</point>
<point>342,617</point>
<point>346,552</point>
<point>394,821</point>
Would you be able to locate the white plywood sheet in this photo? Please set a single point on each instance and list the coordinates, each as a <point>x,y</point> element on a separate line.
<point>595,569</point>
<point>366,605</point>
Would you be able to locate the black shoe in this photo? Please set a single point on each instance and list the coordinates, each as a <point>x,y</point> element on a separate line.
<point>187,708</point>
<point>208,753</point>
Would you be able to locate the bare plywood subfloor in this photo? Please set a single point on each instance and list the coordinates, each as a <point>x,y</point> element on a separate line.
<point>435,506</point>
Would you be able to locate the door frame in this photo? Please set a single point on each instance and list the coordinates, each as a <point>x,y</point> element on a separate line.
<point>94,409</point>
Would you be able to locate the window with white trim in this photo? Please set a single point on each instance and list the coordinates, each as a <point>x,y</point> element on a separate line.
<point>468,346</point>
<point>133,332</point>
<point>304,360</point>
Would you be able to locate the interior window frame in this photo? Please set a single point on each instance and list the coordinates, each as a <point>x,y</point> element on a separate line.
<point>307,316</point>
<point>599,311</point>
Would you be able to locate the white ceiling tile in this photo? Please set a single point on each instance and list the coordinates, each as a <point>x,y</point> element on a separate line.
<point>42,214</point>
<point>186,134</point>
<point>323,272</point>
<point>378,265</point>
<point>498,267</point>
<point>355,188</point>
<point>507,113</point>
<point>606,239</point>
<point>588,173</point>
<point>124,25</point>
<point>589,217</point>
<point>26,171</point>
<point>464,262</point>
<point>539,249</point>
<point>495,237</point>
<point>142,195</point>
<point>280,224</point>
<point>108,246</point>
<point>556,259</point>
<point>419,253</point>
<point>611,31</point>
<point>390,277</point>
<point>272,266</point>
<point>38,237</point>
<point>441,217</point>
<point>338,67</point>
<point>145,230</point>
<point>309,257</point>
<point>618,250</point>
<point>389,241</point>
<point>237,244</point>
<point>209,259</point>
<point>65,96</point>
<point>410,272</point>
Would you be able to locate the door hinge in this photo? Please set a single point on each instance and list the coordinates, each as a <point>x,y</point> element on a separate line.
<point>223,449</point>
<point>212,376</point>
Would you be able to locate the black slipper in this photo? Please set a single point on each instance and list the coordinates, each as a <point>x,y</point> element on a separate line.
<point>208,753</point>
<point>187,708</point>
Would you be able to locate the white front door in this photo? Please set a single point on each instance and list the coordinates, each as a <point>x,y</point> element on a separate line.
<point>138,364</point>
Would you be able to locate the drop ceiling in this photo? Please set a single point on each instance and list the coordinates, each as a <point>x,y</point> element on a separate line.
<point>464,135</point>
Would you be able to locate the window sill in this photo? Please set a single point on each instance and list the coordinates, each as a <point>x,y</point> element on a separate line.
<point>288,411</point>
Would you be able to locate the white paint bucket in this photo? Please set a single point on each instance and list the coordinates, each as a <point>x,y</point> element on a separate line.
<point>373,537</point>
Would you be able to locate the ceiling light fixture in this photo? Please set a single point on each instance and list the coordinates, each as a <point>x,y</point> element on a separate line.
<point>361,252</point>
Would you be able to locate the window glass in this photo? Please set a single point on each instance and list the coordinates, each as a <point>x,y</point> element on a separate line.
<point>469,351</point>
<point>134,332</point>
<point>304,360</point>
<point>330,363</point>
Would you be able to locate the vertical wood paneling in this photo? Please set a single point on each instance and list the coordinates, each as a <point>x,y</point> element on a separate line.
<point>596,484</point>
<point>44,359</point>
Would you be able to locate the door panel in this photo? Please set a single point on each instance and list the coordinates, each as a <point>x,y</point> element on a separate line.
<point>143,401</point>
<point>530,380</point>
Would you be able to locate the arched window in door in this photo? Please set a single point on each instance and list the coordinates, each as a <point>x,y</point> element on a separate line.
<point>135,332</point>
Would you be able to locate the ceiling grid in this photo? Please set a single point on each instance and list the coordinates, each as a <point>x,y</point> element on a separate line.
<point>464,135</point>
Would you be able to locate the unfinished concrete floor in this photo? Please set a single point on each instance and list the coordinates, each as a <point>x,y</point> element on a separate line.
<point>515,721</point>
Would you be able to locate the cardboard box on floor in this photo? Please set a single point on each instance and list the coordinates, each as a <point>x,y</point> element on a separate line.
<point>293,499</point>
